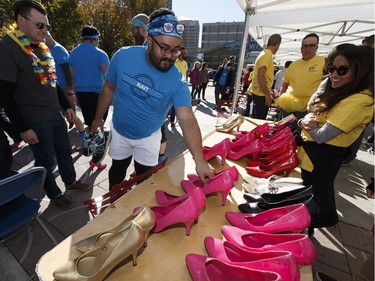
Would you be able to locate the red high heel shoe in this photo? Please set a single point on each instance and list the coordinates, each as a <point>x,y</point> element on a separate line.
<point>292,218</point>
<point>277,136</point>
<point>204,268</point>
<point>99,165</point>
<point>272,157</point>
<point>299,245</point>
<point>271,146</point>
<point>253,149</point>
<point>222,183</point>
<point>184,211</point>
<point>257,132</point>
<point>231,170</point>
<point>286,164</point>
<point>165,198</point>
<point>220,149</point>
<point>279,262</point>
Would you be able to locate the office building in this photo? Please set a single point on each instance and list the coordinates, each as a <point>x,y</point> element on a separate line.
<point>191,37</point>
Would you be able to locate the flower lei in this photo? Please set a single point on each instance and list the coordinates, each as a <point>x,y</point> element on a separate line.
<point>21,39</point>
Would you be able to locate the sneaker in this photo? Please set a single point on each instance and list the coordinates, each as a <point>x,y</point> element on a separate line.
<point>63,202</point>
<point>90,145</point>
<point>100,148</point>
<point>78,186</point>
<point>320,276</point>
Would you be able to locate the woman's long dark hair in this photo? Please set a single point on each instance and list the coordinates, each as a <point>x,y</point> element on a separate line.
<point>361,59</point>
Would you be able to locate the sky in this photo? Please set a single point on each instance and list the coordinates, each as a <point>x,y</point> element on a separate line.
<point>208,11</point>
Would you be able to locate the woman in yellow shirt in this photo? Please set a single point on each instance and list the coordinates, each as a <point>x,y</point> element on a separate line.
<point>336,119</point>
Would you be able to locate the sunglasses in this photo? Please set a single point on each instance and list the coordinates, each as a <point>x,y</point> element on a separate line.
<point>167,51</point>
<point>306,46</point>
<point>341,70</point>
<point>168,28</point>
<point>39,25</point>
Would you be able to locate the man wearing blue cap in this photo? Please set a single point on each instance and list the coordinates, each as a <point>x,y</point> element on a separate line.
<point>144,83</point>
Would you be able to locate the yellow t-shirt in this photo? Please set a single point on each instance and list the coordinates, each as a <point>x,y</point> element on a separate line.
<point>182,66</point>
<point>350,115</point>
<point>303,78</point>
<point>264,59</point>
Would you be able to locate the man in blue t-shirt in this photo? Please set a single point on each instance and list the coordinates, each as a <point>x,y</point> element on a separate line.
<point>145,83</point>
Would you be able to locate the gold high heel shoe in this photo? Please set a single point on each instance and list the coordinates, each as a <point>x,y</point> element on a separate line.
<point>144,217</point>
<point>228,128</point>
<point>230,121</point>
<point>95,265</point>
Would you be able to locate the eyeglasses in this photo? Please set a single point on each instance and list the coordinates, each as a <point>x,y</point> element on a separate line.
<point>39,25</point>
<point>341,70</point>
<point>307,46</point>
<point>167,51</point>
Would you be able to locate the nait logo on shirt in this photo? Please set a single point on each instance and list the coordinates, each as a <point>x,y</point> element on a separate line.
<point>142,86</point>
<point>312,68</point>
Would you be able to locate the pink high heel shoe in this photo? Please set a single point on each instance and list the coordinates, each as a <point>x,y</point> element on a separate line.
<point>285,164</point>
<point>231,170</point>
<point>204,268</point>
<point>286,121</point>
<point>279,262</point>
<point>299,245</point>
<point>184,211</point>
<point>165,198</point>
<point>277,136</point>
<point>291,218</point>
<point>256,133</point>
<point>222,183</point>
<point>220,149</point>
<point>252,149</point>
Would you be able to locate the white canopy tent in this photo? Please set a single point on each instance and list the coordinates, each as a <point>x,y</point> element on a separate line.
<point>335,21</point>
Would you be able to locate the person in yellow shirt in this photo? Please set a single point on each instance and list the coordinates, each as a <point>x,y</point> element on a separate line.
<point>261,85</point>
<point>337,117</point>
<point>302,78</point>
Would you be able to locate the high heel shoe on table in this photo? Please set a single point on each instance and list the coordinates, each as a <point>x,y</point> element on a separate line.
<point>230,121</point>
<point>273,198</point>
<point>285,164</point>
<point>231,170</point>
<point>229,128</point>
<point>220,149</point>
<point>256,133</point>
<point>286,121</point>
<point>96,264</point>
<point>165,198</point>
<point>203,268</point>
<point>279,262</point>
<point>291,218</point>
<point>184,211</point>
<point>144,217</point>
<point>252,149</point>
<point>222,183</point>
<point>299,245</point>
<point>268,158</point>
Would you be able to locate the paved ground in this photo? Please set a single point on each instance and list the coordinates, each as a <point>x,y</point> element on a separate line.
<point>341,249</point>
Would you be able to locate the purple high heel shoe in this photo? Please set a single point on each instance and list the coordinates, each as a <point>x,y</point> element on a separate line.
<point>220,149</point>
<point>222,183</point>
<point>299,245</point>
<point>204,268</point>
<point>292,218</point>
<point>279,262</point>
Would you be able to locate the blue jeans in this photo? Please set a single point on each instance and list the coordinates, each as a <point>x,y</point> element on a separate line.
<point>53,142</point>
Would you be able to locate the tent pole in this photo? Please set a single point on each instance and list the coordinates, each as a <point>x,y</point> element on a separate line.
<point>240,62</point>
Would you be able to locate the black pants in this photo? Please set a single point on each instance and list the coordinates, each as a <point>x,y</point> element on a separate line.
<point>327,162</point>
<point>117,172</point>
<point>8,127</point>
<point>260,108</point>
<point>88,102</point>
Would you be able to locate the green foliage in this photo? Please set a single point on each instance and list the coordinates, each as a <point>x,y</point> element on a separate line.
<point>67,17</point>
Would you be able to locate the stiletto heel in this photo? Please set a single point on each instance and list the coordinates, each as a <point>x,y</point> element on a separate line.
<point>99,165</point>
<point>144,217</point>
<point>165,198</point>
<point>231,170</point>
<point>222,183</point>
<point>220,149</point>
<point>230,128</point>
<point>253,149</point>
<point>230,121</point>
<point>96,264</point>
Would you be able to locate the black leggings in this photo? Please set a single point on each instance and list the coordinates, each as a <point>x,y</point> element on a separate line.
<point>117,172</point>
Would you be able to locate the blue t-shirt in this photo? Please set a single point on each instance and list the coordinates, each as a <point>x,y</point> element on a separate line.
<point>61,56</point>
<point>144,94</point>
<point>86,61</point>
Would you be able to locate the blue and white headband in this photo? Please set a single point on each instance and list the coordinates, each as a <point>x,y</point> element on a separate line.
<point>166,25</point>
